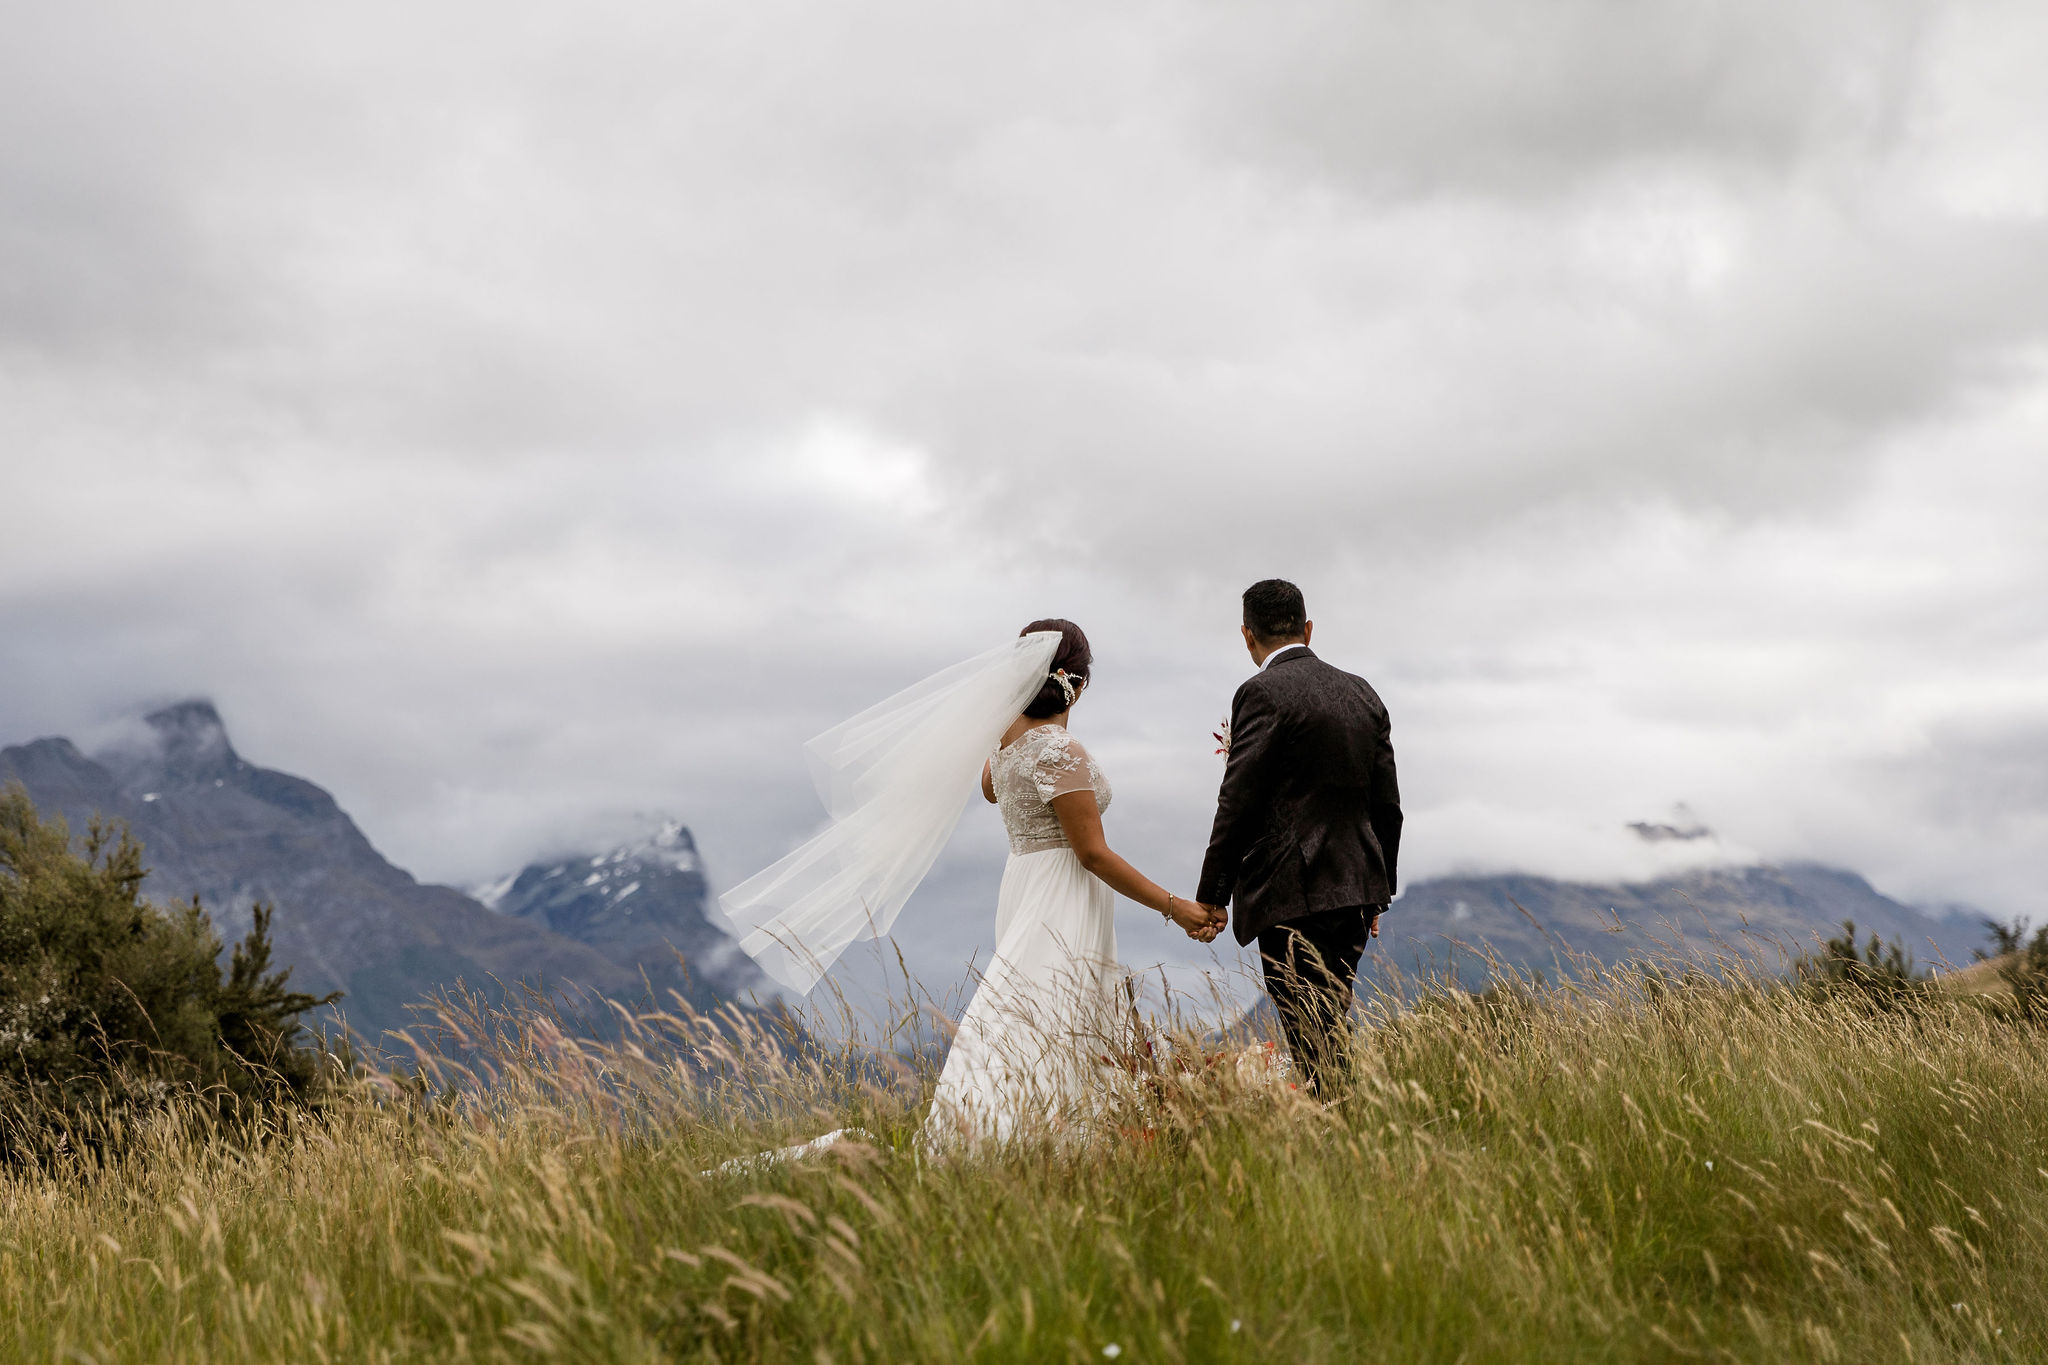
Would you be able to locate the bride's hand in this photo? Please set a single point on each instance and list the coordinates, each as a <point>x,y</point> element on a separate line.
<point>1200,922</point>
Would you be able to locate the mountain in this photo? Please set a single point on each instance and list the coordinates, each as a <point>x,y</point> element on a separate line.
<point>215,826</point>
<point>1761,913</point>
<point>640,904</point>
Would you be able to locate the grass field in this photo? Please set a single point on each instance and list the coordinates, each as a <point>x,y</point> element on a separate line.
<point>1627,1171</point>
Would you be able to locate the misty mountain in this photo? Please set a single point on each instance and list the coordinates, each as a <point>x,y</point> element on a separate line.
<point>215,826</point>
<point>1765,914</point>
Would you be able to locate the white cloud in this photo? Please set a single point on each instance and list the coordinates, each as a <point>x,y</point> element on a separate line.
<point>519,418</point>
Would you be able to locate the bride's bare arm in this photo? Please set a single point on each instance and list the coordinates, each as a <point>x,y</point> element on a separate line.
<point>1081,821</point>
<point>988,782</point>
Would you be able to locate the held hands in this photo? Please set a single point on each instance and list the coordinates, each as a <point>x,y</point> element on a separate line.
<point>1200,922</point>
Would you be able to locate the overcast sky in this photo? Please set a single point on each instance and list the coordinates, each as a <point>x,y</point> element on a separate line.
<point>521,418</point>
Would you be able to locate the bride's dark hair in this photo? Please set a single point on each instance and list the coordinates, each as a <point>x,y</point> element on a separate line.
<point>1073,656</point>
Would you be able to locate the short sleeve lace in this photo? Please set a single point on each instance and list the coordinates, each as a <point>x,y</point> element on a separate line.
<point>1063,766</point>
<point>1043,764</point>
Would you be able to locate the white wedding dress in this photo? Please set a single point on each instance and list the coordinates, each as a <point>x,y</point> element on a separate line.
<point>1029,1053</point>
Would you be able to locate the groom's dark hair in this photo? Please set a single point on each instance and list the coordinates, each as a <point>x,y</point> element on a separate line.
<point>1073,655</point>
<point>1273,610</point>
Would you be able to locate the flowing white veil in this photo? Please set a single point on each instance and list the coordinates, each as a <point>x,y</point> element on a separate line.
<point>895,779</point>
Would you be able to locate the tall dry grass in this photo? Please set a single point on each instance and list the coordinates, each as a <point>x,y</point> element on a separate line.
<point>1623,1169</point>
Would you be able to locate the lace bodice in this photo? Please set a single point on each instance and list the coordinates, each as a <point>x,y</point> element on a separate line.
<point>1042,764</point>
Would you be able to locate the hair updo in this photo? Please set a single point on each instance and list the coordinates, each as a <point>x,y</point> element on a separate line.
<point>1073,655</point>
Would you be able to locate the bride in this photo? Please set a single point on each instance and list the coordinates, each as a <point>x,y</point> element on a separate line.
<point>895,779</point>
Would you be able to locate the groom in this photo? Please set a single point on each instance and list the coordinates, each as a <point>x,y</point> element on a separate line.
<point>1308,824</point>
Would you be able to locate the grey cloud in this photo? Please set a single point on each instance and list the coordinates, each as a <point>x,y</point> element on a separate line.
<point>522,419</point>
<point>1985,774</point>
<point>1473,96</point>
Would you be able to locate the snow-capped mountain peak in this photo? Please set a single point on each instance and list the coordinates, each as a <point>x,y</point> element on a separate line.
<point>644,901</point>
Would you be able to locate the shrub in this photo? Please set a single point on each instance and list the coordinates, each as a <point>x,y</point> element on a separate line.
<point>1879,973</point>
<point>109,1003</point>
<point>2022,965</point>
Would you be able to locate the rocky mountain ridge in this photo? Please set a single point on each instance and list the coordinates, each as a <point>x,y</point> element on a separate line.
<point>644,904</point>
<point>215,826</point>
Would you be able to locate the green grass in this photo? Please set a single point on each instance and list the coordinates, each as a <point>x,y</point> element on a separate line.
<point>1628,1172</point>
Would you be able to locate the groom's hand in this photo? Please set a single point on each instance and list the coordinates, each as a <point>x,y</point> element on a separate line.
<point>1198,921</point>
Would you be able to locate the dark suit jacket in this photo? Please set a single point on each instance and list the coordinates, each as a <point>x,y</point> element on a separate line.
<point>1309,817</point>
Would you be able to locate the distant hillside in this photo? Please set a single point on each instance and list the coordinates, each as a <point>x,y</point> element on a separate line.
<point>215,826</point>
<point>1762,913</point>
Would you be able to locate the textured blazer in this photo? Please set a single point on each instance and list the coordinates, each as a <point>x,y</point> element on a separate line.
<point>1309,817</point>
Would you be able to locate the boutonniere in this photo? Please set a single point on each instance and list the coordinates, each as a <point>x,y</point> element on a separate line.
<point>1222,738</point>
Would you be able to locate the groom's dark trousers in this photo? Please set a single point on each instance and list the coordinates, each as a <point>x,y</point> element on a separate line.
<point>1307,833</point>
<point>1311,969</point>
